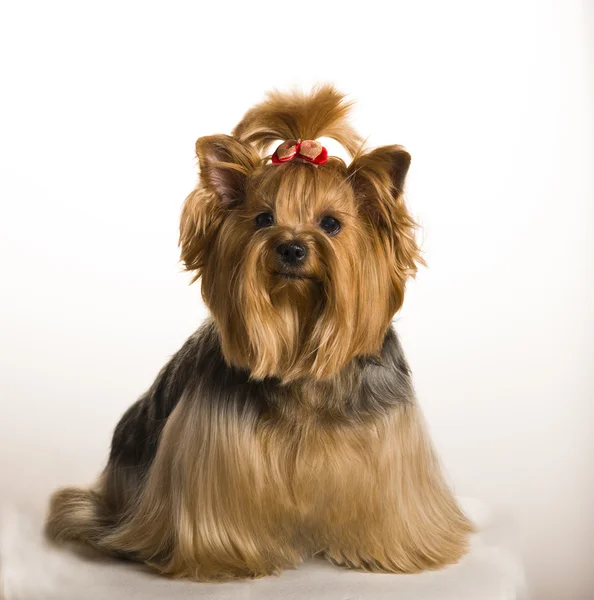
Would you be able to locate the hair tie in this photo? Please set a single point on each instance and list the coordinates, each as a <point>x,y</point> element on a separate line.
<point>310,151</point>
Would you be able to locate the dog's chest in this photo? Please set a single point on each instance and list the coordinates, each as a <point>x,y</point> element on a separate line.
<point>315,463</point>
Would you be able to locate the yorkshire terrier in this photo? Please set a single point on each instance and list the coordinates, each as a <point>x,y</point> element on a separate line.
<point>287,425</point>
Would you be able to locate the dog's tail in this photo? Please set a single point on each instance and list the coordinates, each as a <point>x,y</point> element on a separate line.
<point>282,116</point>
<point>76,515</point>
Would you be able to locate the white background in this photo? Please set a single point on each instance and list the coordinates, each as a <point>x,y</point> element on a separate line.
<point>100,106</point>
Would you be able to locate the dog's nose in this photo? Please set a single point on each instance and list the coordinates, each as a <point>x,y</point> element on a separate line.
<point>292,253</point>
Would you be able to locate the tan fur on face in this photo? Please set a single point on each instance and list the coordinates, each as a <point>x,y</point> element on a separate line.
<point>309,328</point>
<point>313,327</point>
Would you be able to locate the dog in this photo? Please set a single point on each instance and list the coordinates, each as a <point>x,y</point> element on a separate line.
<point>287,425</point>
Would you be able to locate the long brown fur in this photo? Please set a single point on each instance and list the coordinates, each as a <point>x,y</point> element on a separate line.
<point>290,426</point>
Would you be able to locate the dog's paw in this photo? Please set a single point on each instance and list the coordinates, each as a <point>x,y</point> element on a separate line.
<point>394,560</point>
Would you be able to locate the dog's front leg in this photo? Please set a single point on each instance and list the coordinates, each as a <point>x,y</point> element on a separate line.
<point>395,513</point>
<point>208,509</point>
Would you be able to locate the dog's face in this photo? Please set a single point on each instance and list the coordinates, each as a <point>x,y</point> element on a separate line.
<point>303,267</point>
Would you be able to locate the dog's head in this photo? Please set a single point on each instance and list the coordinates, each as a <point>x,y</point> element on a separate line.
<point>303,266</point>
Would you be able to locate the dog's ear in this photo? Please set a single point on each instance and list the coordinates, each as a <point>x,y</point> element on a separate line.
<point>225,164</point>
<point>378,180</point>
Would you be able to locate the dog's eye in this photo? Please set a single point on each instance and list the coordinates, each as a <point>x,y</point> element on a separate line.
<point>264,220</point>
<point>330,225</point>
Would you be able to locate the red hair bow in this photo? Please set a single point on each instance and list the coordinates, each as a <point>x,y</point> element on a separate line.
<point>310,151</point>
